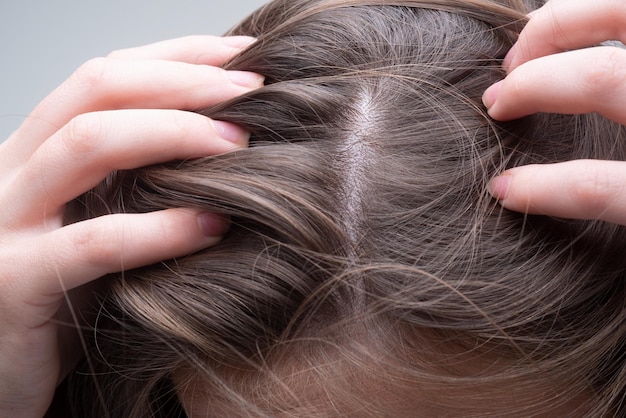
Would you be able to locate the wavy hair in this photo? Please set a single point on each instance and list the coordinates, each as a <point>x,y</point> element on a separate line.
<point>368,272</point>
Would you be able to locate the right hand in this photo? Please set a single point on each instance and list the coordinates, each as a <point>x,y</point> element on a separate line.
<point>543,78</point>
<point>114,113</point>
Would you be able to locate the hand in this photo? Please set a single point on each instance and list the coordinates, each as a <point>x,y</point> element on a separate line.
<point>543,78</point>
<point>113,113</point>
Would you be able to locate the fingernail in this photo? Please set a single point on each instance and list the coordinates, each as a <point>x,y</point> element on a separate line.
<point>499,186</point>
<point>238,41</point>
<point>491,94</point>
<point>508,58</point>
<point>231,132</point>
<point>246,79</point>
<point>212,225</point>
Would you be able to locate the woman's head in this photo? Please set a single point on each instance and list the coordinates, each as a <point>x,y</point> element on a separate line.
<point>367,271</point>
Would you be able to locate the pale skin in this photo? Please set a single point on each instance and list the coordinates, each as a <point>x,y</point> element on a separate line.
<point>113,113</point>
<point>548,72</point>
<point>120,112</point>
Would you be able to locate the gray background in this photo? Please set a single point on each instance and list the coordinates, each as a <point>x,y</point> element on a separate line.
<point>42,42</point>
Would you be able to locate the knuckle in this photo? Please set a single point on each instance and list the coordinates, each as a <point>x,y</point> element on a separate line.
<point>92,74</point>
<point>82,135</point>
<point>197,76</point>
<point>188,125</point>
<point>164,231</point>
<point>607,71</point>
<point>592,191</point>
<point>516,85</point>
<point>169,231</point>
<point>100,245</point>
<point>182,123</point>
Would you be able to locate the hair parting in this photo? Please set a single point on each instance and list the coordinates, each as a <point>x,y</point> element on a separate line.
<point>367,271</point>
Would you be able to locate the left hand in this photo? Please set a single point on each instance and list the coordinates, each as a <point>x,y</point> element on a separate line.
<point>114,113</point>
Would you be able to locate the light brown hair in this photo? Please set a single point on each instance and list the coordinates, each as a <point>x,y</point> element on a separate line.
<point>367,271</point>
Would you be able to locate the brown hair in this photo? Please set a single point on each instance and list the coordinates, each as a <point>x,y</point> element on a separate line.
<point>367,271</point>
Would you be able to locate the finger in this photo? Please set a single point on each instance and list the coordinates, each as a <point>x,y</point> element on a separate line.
<point>580,189</point>
<point>562,25</point>
<point>575,82</point>
<point>79,253</point>
<point>205,50</point>
<point>104,84</point>
<point>84,152</point>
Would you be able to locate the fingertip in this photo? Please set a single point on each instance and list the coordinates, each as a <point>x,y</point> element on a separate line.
<point>238,41</point>
<point>513,58</point>
<point>491,95</point>
<point>532,13</point>
<point>246,79</point>
<point>499,186</point>
<point>232,133</point>
<point>509,61</point>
